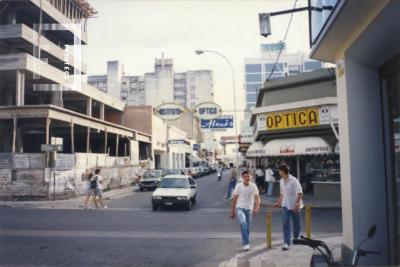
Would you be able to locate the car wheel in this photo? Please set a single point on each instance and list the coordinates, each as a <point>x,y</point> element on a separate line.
<point>189,205</point>
<point>155,208</point>
<point>194,200</point>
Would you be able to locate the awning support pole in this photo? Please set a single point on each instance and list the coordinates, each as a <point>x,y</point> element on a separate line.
<point>298,167</point>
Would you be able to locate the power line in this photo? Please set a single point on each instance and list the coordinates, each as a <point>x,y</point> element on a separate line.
<point>284,40</point>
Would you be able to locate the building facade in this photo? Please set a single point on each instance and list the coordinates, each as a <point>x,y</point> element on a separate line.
<point>164,85</point>
<point>42,101</point>
<point>361,38</point>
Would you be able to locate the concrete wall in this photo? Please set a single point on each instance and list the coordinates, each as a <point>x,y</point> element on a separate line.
<point>139,118</point>
<point>24,176</point>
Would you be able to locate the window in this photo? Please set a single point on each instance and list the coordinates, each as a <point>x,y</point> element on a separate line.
<point>294,69</point>
<point>253,88</point>
<point>312,65</point>
<point>253,67</point>
<point>270,66</point>
<point>133,85</point>
<point>253,78</point>
<point>251,97</point>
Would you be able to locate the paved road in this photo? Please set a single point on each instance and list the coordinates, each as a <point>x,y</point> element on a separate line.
<point>129,233</point>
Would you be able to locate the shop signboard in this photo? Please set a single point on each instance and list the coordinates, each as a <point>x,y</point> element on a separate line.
<point>196,146</point>
<point>221,123</point>
<point>246,138</point>
<point>178,142</point>
<point>169,111</point>
<point>229,139</point>
<point>207,110</point>
<point>298,118</point>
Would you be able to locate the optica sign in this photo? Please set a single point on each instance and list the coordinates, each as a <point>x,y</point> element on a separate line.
<point>207,110</point>
<point>169,111</point>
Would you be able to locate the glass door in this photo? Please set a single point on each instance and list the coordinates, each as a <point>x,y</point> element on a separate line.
<point>390,75</point>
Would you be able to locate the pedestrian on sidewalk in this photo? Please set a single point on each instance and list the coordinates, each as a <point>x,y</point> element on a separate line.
<point>269,180</point>
<point>290,200</point>
<point>232,180</point>
<point>245,203</point>
<point>259,174</point>
<point>99,189</point>
<point>90,190</point>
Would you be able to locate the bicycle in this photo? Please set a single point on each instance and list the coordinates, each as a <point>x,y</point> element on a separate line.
<point>326,258</point>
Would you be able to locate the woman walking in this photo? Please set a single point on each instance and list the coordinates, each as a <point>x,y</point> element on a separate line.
<point>89,190</point>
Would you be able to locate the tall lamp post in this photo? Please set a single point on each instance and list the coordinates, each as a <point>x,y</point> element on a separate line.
<point>199,52</point>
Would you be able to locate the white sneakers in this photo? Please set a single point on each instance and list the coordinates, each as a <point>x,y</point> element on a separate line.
<point>285,247</point>
<point>246,247</point>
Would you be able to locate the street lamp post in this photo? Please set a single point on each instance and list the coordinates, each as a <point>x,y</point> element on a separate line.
<point>199,52</point>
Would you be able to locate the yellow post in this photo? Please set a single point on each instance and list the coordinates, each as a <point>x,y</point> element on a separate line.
<point>268,219</point>
<point>308,221</point>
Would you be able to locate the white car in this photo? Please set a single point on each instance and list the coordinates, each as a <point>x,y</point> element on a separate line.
<point>175,190</point>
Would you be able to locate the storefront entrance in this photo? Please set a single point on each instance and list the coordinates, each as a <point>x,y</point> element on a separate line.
<point>390,76</point>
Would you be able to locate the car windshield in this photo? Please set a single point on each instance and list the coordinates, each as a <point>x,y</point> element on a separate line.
<point>152,174</point>
<point>174,183</point>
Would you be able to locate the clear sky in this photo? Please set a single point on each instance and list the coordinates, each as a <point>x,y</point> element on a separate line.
<point>136,32</point>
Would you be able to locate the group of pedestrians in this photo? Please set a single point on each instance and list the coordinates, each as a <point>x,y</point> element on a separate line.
<point>246,204</point>
<point>94,189</point>
<point>265,179</point>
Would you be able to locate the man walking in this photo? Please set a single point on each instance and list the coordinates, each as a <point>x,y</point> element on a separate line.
<point>232,180</point>
<point>245,203</point>
<point>291,202</point>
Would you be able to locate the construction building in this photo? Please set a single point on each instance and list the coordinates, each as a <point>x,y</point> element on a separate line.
<point>43,100</point>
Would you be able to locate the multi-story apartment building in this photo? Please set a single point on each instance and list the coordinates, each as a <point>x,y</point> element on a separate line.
<point>41,101</point>
<point>161,86</point>
<point>259,69</point>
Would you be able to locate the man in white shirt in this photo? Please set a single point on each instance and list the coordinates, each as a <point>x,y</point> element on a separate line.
<point>245,203</point>
<point>291,202</point>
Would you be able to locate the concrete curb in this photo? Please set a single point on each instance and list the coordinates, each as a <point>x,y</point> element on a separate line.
<point>257,255</point>
<point>312,206</point>
<point>65,203</point>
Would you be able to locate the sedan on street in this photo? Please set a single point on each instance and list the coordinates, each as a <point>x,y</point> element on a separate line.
<point>175,191</point>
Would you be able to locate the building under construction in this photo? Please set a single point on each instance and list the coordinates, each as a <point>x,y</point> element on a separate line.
<point>44,100</point>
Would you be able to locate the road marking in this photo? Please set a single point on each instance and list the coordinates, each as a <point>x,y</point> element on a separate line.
<point>127,234</point>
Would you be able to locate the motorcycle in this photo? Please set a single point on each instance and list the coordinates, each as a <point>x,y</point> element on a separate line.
<point>326,258</point>
<point>219,175</point>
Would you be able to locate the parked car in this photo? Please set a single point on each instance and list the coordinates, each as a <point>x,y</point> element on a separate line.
<point>151,179</point>
<point>175,191</point>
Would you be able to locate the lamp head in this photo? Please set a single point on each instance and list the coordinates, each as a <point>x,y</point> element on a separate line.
<point>199,52</point>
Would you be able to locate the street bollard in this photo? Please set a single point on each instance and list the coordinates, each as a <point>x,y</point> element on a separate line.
<point>268,219</point>
<point>308,221</point>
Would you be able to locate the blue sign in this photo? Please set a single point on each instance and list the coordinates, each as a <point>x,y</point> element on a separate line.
<point>221,122</point>
<point>196,146</point>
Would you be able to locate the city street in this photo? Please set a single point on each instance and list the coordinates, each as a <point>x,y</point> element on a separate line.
<point>129,233</point>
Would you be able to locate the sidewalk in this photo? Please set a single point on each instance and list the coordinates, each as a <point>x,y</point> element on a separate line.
<point>296,256</point>
<point>72,203</point>
<point>307,199</point>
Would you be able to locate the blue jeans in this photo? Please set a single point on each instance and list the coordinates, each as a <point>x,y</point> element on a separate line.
<point>231,187</point>
<point>286,227</point>
<point>270,189</point>
<point>244,219</point>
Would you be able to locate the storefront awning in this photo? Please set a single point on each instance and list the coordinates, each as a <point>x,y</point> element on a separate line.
<point>297,147</point>
<point>194,158</point>
<point>256,149</point>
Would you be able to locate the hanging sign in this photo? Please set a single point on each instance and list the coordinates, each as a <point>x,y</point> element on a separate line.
<point>207,110</point>
<point>221,123</point>
<point>169,111</point>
